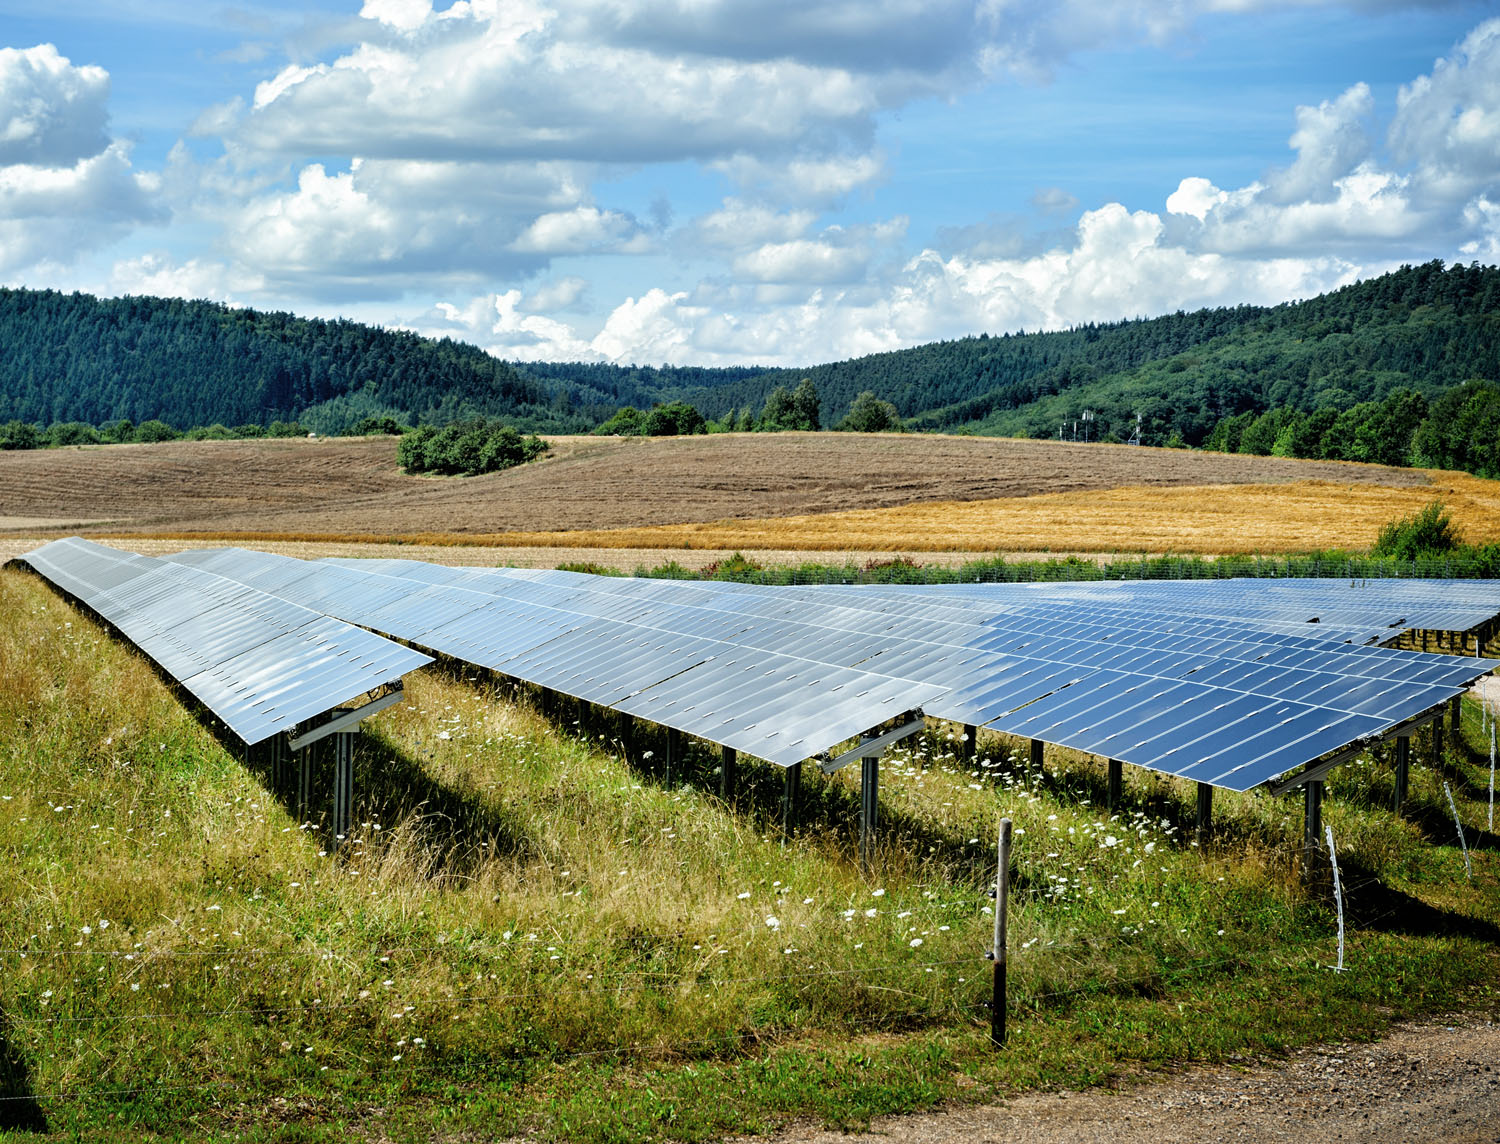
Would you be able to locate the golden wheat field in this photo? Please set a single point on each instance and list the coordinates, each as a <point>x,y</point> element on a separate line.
<point>1212,519</point>
<point>787,497</point>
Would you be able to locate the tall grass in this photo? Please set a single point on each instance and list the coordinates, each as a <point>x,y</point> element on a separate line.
<point>528,932</point>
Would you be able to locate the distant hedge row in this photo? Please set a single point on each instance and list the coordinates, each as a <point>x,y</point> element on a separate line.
<point>466,448</point>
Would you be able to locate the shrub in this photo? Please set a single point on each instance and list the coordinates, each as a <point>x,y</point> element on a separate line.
<point>150,432</point>
<point>386,426</point>
<point>675,419</point>
<point>466,448</point>
<point>626,422</point>
<point>870,414</point>
<point>1429,532</point>
<point>20,435</point>
<point>70,433</point>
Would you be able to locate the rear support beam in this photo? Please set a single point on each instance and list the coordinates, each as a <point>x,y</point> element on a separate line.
<point>869,804</point>
<point>1116,781</point>
<point>1204,825</point>
<point>1403,764</point>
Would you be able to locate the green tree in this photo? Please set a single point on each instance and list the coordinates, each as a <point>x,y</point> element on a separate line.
<point>807,406</point>
<point>779,412</point>
<point>870,414</point>
<point>674,419</point>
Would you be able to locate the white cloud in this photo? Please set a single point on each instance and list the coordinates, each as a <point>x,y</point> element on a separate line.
<point>52,114</point>
<point>1447,124</point>
<point>157,275</point>
<point>581,230</point>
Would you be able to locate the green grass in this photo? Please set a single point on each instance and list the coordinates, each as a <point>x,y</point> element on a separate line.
<point>528,934</point>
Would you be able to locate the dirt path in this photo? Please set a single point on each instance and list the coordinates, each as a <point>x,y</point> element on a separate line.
<point>1425,1084</point>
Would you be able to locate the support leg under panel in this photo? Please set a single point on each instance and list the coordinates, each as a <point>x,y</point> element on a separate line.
<point>1403,765</point>
<point>1312,830</point>
<point>343,785</point>
<point>728,764</point>
<point>1204,826</point>
<point>869,803</point>
<point>1038,757</point>
<point>791,798</point>
<point>1116,782</point>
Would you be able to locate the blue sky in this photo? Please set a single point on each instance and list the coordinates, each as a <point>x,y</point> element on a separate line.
<point>717,182</point>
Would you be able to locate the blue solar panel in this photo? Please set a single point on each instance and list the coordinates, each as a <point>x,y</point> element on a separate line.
<point>259,663</point>
<point>1238,700</point>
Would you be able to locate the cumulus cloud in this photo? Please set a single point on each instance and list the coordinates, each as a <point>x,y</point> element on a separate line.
<point>52,114</point>
<point>65,187</point>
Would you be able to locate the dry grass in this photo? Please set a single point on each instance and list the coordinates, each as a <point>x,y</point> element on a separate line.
<point>1299,517</point>
<point>336,489</point>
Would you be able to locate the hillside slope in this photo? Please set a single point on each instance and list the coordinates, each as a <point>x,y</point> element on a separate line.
<point>73,357</point>
<point>1427,328</point>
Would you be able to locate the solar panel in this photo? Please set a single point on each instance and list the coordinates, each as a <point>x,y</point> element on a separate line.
<point>259,663</point>
<point>1214,696</point>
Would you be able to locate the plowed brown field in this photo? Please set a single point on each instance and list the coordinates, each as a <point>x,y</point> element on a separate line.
<point>791,493</point>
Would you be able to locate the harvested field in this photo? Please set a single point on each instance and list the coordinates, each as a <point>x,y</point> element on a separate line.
<point>331,489</point>
<point>1214,519</point>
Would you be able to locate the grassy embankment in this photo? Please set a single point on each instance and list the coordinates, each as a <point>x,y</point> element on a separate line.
<point>530,934</point>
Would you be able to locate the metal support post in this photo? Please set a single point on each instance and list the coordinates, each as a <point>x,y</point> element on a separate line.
<point>674,752</point>
<point>1205,822</point>
<point>1455,716</point>
<point>1116,781</point>
<point>728,763</point>
<point>1403,764</point>
<point>278,765</point>
<point>1312,828</point>
<point>971,740</point>
<point>998,998</point>
<point>343,786</point>
<point>869,802</point>
<point>627,738</point>
<point>1038,756</point>
<point>791,796</point>
<point>304,780</point>
<point>1437,740</point>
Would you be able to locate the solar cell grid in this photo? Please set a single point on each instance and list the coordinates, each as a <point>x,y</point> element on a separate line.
<point>259,663</point>
<point>1074,662</point>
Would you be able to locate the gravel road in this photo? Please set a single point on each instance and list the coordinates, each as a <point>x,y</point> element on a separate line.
<point>1424,1084</point>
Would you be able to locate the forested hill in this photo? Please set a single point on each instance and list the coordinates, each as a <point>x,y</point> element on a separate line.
<point>1425,327</point>
<point>1428,329</point>
<point>73,357</point>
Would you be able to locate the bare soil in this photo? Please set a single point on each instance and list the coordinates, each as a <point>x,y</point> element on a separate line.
<point>1428,1083</point>
<point>332,487</point>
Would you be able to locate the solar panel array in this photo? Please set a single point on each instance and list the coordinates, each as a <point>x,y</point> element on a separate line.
<point>260,663</point>
<point>785,673</point>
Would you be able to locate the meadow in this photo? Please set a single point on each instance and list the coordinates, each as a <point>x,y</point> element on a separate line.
<point>531,934</point>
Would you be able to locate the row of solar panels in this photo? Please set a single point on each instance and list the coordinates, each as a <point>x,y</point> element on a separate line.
<point>784,674</point>
<point>1357,610</point>
<point>262,664</point>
